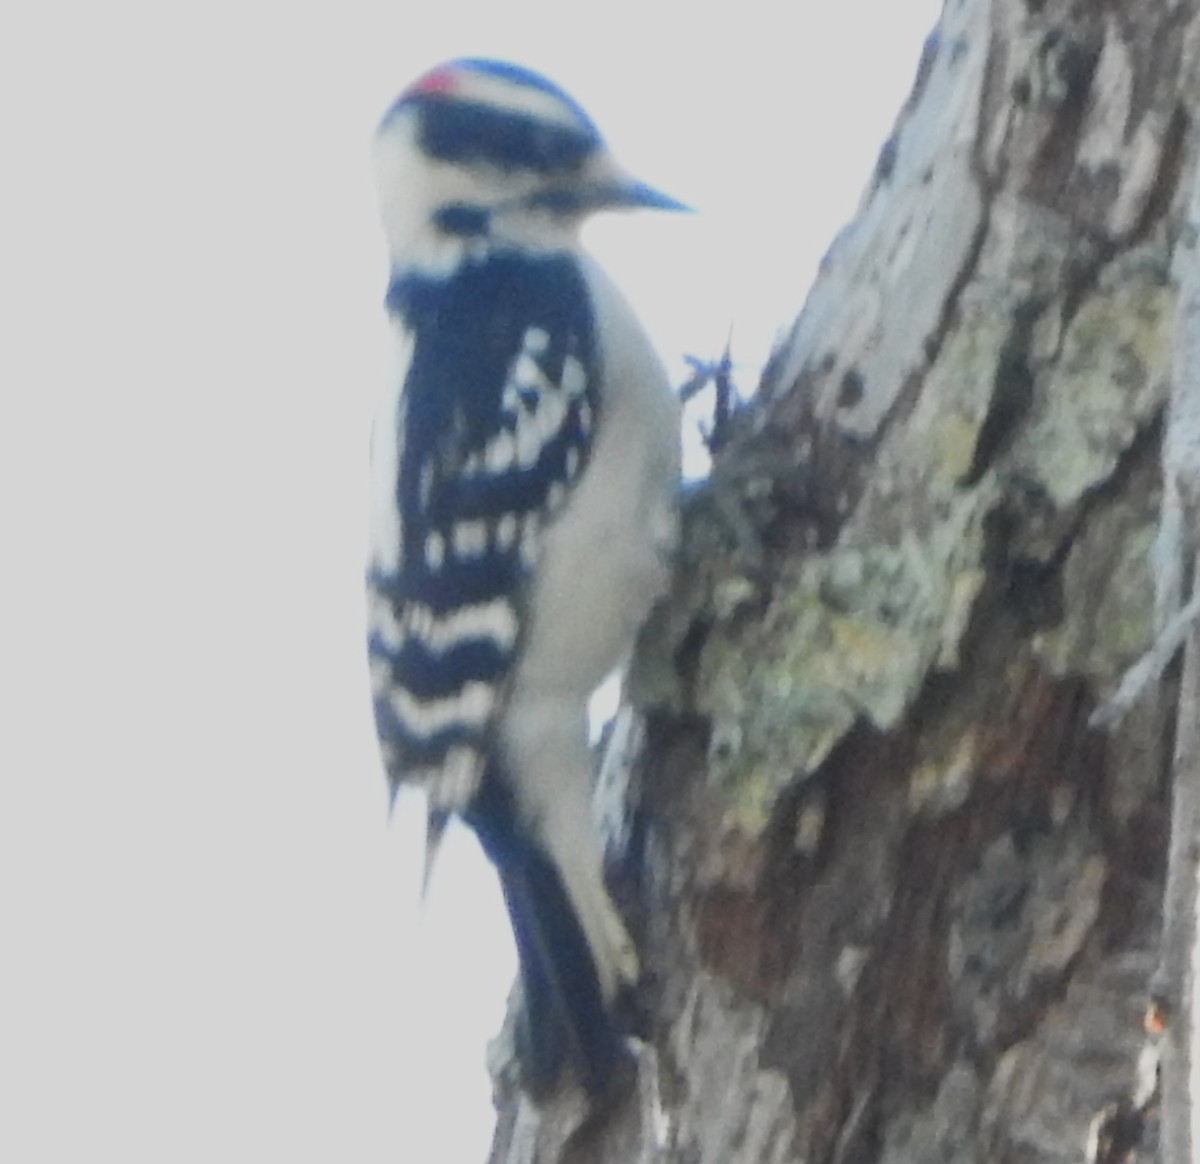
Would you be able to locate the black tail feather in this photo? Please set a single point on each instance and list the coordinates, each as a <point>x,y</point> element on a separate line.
<point>565,1015</point>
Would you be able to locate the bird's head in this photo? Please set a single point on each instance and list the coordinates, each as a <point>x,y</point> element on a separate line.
<point>478,153</point>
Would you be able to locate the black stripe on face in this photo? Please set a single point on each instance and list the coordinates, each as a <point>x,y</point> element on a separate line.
<point>469,131</point>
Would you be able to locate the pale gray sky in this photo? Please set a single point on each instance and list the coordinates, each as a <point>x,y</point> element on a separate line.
<point>212,949</point>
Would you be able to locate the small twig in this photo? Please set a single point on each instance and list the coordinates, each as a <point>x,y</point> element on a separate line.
<point>1148,669</point>
<point>704,372</point>
<point>719,373</point>
<point>726,398</point>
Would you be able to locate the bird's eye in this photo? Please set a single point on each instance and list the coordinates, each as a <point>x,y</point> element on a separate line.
<point>462,220</point>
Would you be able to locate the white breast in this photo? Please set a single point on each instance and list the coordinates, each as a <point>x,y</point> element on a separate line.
<point>606,558</point>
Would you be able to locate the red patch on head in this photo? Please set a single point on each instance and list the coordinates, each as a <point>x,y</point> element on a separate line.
<point>443,79</point>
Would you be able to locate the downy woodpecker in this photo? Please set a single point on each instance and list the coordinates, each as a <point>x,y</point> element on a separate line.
<point>525,469</point>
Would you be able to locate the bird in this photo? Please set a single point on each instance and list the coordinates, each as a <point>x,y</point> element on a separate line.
<point>525,465</point>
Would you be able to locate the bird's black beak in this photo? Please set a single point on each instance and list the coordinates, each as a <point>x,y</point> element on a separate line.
<point>637,194</point>
<point>606,192</point>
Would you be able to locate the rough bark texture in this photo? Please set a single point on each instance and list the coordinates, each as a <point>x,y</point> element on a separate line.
<point>896,899</point>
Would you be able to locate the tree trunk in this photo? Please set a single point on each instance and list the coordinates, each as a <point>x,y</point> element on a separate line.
<point>896,899</point>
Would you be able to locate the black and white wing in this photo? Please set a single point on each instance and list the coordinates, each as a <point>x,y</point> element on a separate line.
<point>491,428</point>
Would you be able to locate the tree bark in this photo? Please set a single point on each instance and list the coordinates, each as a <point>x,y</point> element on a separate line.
<point>898,900</point>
